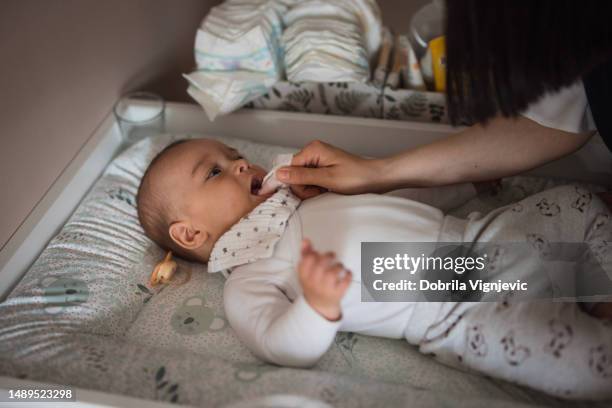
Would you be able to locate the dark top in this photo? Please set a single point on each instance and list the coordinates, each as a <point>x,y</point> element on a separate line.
<point>598,87</point>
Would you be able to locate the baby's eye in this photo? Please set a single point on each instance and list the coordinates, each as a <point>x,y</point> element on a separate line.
<point>215,171</point>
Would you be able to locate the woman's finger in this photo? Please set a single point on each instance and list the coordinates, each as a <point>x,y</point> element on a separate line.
<point>306,192</point>
<point>317,176</point>
<point>314,153</point>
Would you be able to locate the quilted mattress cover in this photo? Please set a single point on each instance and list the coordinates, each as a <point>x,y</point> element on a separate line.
<point>84,316</point>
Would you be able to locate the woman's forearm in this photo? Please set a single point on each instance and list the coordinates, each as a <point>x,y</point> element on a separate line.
<point>503,148</point>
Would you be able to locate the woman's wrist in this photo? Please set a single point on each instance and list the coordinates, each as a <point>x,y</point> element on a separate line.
<point>385,176</point>
<point>416,167</point>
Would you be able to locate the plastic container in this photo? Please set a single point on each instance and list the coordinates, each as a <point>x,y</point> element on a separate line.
<point>140,115</point>
<point>426,24</point>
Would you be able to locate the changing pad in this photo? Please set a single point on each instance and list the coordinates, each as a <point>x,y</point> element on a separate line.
<point>84,316</point>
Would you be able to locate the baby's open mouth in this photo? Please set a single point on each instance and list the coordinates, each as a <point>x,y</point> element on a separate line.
<point>255,185</point>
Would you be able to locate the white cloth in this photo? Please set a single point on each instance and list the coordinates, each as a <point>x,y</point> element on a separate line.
<point>567,110</point>
<point>270,182</point>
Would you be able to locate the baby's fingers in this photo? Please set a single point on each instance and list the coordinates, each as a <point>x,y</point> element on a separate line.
<point>306,246</point>
<point>308,264</point>
<point>321,265</point>
<point>333,275</point>
<point>326,260</point>
<point>344,280</point>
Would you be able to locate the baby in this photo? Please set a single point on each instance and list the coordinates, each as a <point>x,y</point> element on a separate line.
<point>286,301</point>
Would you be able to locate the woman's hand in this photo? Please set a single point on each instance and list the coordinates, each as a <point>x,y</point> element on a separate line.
<point>320,167</point>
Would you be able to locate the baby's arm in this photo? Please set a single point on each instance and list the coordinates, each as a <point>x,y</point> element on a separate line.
<point>269,324</point>
<point>324,281</point>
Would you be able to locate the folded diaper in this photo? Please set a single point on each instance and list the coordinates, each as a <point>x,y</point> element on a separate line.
<point>253,52</point>
<point>323,36</point>
<point>371,23</point>
<point>328,26</point>
<point>220,92</point>
<point>325,42</point>
<point>317,66</point>
<point>321,8</point>
<point>240,37</point>
<point>340,56</point>
<point>365,13</point>
<point>238,54</point>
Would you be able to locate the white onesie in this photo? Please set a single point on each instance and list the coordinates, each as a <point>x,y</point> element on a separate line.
<point>264,301</point>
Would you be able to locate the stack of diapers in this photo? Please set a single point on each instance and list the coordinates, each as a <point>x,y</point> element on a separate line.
<point>241,50</point>
<point>238,54</point>
<point>331,40</point>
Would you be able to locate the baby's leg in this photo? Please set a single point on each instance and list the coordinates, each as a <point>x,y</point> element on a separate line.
<point>599,239</point>
<point>552,347</point>
<point>567,233</point>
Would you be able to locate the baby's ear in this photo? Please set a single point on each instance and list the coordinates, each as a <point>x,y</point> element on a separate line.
<point>184,235</point>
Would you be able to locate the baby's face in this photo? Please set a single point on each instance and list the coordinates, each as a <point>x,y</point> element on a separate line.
<point>211,185</point>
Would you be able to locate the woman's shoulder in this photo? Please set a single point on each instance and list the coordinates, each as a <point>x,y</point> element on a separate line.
<point>566,109</point>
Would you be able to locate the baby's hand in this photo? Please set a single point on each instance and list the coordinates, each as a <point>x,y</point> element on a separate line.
<point>323,280</point>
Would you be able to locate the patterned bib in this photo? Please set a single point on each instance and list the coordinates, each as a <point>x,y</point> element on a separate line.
<point>255,235</point>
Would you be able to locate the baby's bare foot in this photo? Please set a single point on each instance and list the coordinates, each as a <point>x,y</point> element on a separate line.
<point>602,310</point>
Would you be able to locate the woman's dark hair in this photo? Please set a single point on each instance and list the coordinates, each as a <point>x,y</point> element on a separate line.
<point>503,55</point>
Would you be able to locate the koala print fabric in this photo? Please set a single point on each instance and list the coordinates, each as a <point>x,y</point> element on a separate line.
<point>84,316</point>
<point>518,340</point>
